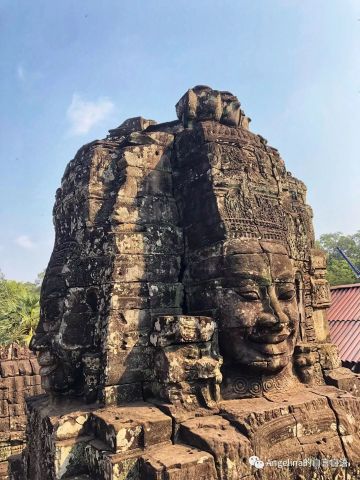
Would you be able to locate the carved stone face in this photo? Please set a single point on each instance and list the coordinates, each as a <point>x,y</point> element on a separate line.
<point>258,311</point>
<point>62,344</point>
<point>58,369</point>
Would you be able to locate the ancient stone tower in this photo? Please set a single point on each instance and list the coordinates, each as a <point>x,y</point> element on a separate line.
<point>183,314</point>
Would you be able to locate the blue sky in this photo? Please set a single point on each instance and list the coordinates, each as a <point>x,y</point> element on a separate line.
<point>71,70</point>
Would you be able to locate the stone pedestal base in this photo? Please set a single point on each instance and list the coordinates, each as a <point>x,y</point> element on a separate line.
<point>309,434</point>
<point>130,442</point>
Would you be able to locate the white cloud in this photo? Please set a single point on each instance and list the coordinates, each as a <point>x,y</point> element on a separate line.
<point>83,114</point>
<point>24,241</point>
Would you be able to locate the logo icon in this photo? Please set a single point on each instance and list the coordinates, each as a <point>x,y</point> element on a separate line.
<point>256,462</point>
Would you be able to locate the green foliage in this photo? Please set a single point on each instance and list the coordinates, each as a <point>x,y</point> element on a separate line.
<point>339,271</point>
<point>19,310</point>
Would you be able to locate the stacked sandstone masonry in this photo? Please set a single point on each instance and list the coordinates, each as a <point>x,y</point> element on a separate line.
<point>19,379</point>
<point>183,319</point>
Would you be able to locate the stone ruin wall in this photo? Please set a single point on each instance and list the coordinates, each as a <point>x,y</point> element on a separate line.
<point>19,380</point>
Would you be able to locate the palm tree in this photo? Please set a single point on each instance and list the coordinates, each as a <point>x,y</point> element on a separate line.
<point>19,312</point>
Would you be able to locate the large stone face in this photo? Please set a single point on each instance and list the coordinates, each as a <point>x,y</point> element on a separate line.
<point>184,275</point>
<point>115,265</point>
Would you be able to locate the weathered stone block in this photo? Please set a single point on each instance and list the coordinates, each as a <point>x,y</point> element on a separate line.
<point>122,394</point>
<point>129,296</point>
<point>152,157</point>
<point>329,356</point>
<point>69,457</point>
<point>186,362</point>
<point>3,392</point>
<point>9,368</point>
<point>131,427</point>
<point>4,408</point>
<point>317,260</point>
<point>145,210</point>
<point>17,437</point>
<point>5,452</point>
<point>18,422</point>
<point>321,293</point>
<point>4,471</point>
<point>71,425</point>
<point>17,409</point>
<point>156,183</point>
<point>131,365</point>
<point>163,240</point>
<point>199,103</point>
<point>122,466</point>
<point>5,424</point>
<point>95,452</point>
<point>344,379</point>
<point>129,320</point>
<point>146,268</point>
<point>165,295</point>
<point>230,449</point>
<point>177,462</point>
<point>25,367</point>
<point>33,391</point>
<point>169,330</point>
<point>134,124</point>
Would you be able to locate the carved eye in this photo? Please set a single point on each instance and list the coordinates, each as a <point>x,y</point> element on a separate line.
<point>286,292</point>
<point>249,293</point>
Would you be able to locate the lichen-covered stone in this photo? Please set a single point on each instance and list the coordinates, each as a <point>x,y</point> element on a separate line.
<point>181,329</point>
<point>131,427</point>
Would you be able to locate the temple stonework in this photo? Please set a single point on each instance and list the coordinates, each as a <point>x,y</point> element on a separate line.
<point>183,330</point>
<point>19,379</point>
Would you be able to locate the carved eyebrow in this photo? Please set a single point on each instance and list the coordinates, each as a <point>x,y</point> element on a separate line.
<point>262,281</point>
<point>284,279</point>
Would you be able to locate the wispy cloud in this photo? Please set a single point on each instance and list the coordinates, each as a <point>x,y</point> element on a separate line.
<point>24,241</point>
<point>20,72</point>
<point>83,114</point>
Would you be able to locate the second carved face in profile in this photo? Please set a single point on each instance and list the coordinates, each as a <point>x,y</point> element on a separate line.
<point>65,333</point>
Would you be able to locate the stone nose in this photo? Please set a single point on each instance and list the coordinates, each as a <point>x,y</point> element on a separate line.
<point>271,324</point>
<point>272,318</point>
<point>275,306</point>
<point>39,342</point>
<point>268,320</point>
